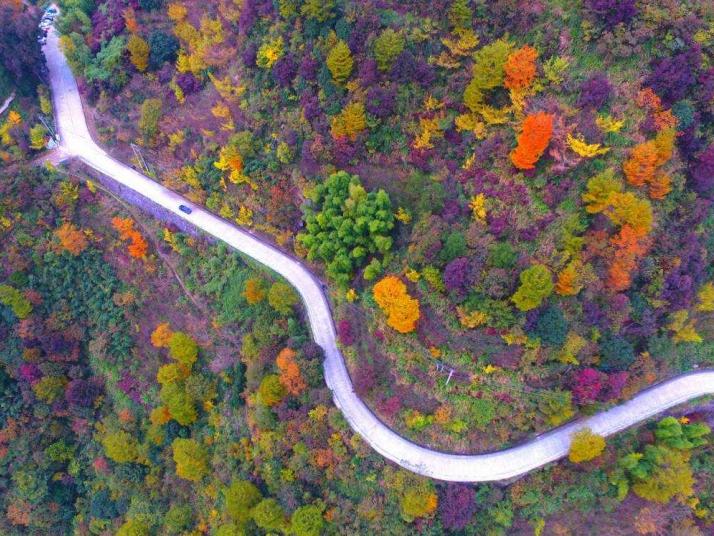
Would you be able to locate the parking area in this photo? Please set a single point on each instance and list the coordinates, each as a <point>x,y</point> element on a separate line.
<point>47,20</point>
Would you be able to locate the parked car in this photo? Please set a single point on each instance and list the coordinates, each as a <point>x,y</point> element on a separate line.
<point>184,208</point>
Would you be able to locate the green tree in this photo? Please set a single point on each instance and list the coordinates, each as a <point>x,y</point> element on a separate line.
<point>282,297</point>
<point>134,527</point>
<point>318,10</point>
<point>37,137</point>
<point>240,498</point>
<point>151,110</point>
<point>307,521</point>
<point>191,459</point>
<point>345,225</point>
<point>536,285</point>
<point>183,348</point>
<point>339,62</point>
<point>15,300</point>
<point>271,391</point>
<point>585,446</point>
<point>179,403</point>
<point>120,446</point>
<point>669,476</point>
<point>418,501</point>
<point>460,14</point>
<point>107,65</point>
<point>673,434</point>
<point>388,45</point>
<point>162,47</point>
<point>268,515</point>
<point>178,518</point>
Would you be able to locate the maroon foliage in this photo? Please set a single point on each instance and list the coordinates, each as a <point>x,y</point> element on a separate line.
<point>587,385</point>
<point>344,332</point>
<point>29,372</point>
<point>457,506</point>
<point>390,406</point>
<point>615,384</point>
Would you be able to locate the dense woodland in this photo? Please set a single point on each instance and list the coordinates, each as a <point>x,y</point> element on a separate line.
<point>511,203</point>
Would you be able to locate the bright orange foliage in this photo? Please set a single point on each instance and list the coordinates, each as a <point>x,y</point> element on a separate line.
<point>660,186</point>
<point>253,292</point>
<point>520,68</point>
<point>130,20</point>
<point>290,376</point>
<point>401,309</point>
<point>138,246</point>
<point>71,238</point>
<point>125,227</point>
<point>533,140</point>
<point>631,244</point>
<point>567,283</point>
<point>161,335</point>
<point>642,164</point>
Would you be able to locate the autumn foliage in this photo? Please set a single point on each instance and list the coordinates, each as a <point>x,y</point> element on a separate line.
<point>71,238</point>
<point>137,244</point>
<point>290,376</point>
<point>520,68</point>
<point>161,336</point>
<point>533,140</point>
<point>401,309</point>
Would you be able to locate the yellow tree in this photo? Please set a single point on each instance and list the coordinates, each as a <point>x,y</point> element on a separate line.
<point>585,445</point>
<point>138,52</point>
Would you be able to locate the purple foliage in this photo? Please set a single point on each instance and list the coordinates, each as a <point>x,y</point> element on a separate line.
<point>672,77</point>
<point>381,101</point>
<point>130,387</point>
<point>705,87</point>
<point>456,274</point>
<point>247,18</point>
<point>188,83</point>
<point>457,506</point>
<point>308,163</point>
<point>81,393</point>
<point>367,72</point>
<point>365,378</point>
<point>594,315</point>
<point>344,332</point>
<point>285,70</point>
<point>702,173</point>
<point>498,225</point>
<point>407,68</point>
<point>310,106</point>
<point>594,92</point>
<point>343,152</point>
<point>367,23</point>
<point>249,55</point>
<point>308,68</point>
<point>613,12</point>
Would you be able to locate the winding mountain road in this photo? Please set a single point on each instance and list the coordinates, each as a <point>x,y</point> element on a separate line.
<point>76,142</point>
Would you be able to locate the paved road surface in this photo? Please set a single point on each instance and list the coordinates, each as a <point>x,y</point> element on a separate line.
<point>506,464</point>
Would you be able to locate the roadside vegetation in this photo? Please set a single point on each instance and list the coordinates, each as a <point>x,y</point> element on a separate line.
<point>511,203</point>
